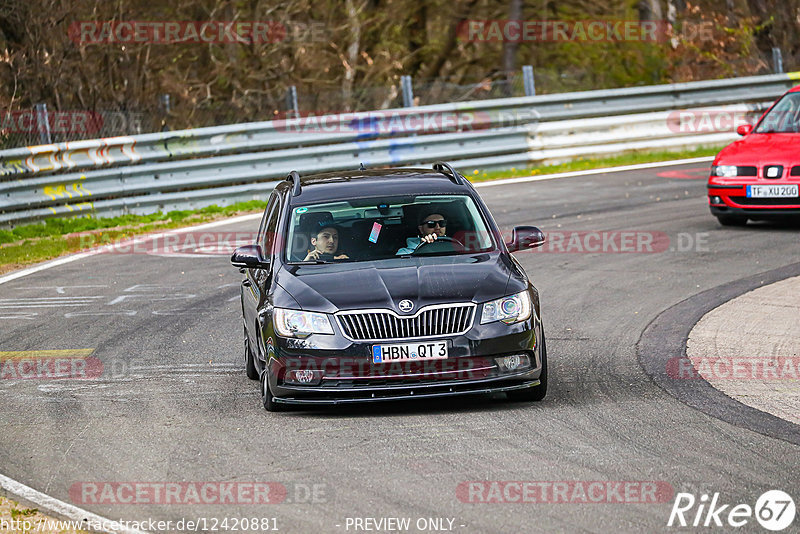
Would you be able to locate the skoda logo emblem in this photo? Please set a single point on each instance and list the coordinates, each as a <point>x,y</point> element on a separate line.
<point>405,305</point>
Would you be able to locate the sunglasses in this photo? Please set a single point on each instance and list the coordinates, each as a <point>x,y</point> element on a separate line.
<point>432,224</point>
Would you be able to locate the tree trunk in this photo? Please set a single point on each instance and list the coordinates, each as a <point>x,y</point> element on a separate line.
<point>650,10</point>
<point>510,47</point>
<point>352,54</point>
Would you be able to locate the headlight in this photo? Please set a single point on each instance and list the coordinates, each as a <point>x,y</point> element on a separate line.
<point>728,171</point>
<point>296,323</point>
<point>510,310</point>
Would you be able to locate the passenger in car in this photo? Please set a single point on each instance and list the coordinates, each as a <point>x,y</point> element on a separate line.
<point>325,241</point>
<point>431,227</point>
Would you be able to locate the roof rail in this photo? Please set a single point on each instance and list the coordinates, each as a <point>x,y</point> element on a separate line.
<point>449,171</point>
<point>294,177</point>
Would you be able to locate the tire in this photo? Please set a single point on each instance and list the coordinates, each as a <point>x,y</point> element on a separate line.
<point>249,360</point>
<point>266,395</point>
<point>535,393</point>
<point>732,220</point>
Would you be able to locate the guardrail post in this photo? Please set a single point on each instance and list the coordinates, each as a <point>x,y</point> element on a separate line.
<point>777,60</point>
<point>43,124</point>
<point>408,91</point>
<point>527,80</point>
<point>291,101</point>
<point>164,107</point>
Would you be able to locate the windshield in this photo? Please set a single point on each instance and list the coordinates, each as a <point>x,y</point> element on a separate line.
<point>369,229</point>
<point>784,117</point>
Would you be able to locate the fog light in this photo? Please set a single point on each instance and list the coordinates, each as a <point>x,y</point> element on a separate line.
<point>716,200</point>
<point>303,377</point>
<point>514,362</point>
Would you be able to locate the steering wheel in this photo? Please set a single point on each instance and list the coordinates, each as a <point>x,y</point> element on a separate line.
<point>450,245</point>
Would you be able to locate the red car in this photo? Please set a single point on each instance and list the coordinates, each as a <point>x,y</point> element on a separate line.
<point>758,177</point>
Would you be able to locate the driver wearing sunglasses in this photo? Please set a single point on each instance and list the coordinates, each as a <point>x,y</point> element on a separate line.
<point>431,227</point>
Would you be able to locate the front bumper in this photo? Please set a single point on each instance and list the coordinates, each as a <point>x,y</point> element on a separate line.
<point>377,394</point>
<point>350,376</point>
<point>731,199</point>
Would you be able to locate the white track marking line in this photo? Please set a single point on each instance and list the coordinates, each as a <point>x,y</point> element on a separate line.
<point>143,239</point>
<point>53,505</point>
<point>638,166</point>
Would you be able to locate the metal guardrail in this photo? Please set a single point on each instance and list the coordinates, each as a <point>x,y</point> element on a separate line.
<point>225,164</point>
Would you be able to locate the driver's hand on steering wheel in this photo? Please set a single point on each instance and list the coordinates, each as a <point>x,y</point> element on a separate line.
<point>430,238</point>
<point>312,256</point>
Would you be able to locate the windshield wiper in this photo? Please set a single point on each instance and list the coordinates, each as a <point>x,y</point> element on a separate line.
<point>311,262</point>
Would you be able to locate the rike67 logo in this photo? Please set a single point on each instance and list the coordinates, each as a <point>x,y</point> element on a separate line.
<point>774,510</point>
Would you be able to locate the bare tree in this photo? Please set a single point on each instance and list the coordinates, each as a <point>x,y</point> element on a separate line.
<point>510,47</point>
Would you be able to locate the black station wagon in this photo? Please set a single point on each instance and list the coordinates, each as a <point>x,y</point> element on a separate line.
<point>381,285</point>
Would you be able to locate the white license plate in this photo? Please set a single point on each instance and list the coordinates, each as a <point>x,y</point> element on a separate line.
<point>409,352</point>
<point>772,191</point>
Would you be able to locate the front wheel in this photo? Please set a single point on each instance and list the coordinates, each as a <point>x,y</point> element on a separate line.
<point>535,393</point>
<point>266,395</point>
<point>249,360</point>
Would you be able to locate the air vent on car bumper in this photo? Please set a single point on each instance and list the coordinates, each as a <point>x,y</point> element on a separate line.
<point>744,201</point>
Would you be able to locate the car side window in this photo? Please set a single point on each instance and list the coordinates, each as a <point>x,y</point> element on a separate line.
<point>267,238</point>
<point>263,224</point>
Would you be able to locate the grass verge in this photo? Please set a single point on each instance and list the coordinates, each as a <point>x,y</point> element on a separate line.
<point>20,519</point>
<point>33,243</point>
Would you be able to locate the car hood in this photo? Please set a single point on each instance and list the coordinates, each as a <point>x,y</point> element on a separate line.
<point>382,284</point>
<point>761,149</point>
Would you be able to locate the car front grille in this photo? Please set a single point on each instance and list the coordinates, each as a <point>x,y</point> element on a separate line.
<point>439,320</point>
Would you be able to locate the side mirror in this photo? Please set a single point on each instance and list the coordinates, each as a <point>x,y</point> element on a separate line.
<point>524,237</point>
<point>249,256</point>
<point>744,129</point>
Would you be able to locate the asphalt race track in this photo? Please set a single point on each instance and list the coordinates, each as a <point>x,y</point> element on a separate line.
<point>173,404</point>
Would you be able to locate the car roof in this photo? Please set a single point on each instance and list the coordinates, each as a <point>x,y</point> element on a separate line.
<point>344,185</point>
